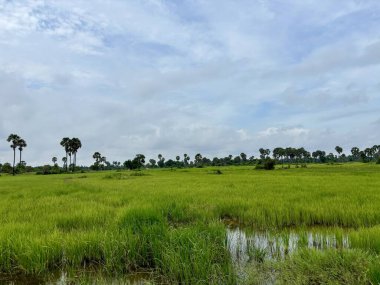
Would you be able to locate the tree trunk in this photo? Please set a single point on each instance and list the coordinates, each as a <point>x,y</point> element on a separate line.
<point>66,162</point>
<point>14,160</point>
<point>20,156</point>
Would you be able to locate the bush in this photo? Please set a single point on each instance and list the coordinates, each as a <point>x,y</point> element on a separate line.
<point>267,164</point>
<point>7,168</point>
<point>378,161</point>
<point>45,170</point>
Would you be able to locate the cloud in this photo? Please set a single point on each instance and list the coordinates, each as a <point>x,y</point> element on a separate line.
<point>283,131</point>
<point>171,77</point>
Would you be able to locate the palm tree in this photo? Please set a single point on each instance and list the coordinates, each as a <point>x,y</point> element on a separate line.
<point>65,142</point>
<point>75,144</point>
<point>278,153</point>
<point>338,149</point>
<point>355,152</point>
<point>97,156</point>
<point>64,159</point>
<point>15,140</point>
<point>54,159</point>
<point>21,145</point>
<point>186,159</point>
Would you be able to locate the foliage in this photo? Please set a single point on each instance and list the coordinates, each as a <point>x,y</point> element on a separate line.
<point>170,221</point>
<point>6,168</point>
<point>267,164</point>
<point>325,267</point>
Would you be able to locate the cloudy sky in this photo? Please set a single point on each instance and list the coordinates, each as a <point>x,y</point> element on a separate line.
<point>217,77</point>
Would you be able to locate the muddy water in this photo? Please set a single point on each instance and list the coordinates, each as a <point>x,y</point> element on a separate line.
<point>259,246</point>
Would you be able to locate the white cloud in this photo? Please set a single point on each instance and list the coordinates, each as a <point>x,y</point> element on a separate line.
<point>194,76</point>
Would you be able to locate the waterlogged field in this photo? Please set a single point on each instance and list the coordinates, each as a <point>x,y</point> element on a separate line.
<point>315,225</point>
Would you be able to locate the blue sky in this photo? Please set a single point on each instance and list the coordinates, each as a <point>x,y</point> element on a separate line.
<point>173,77</point>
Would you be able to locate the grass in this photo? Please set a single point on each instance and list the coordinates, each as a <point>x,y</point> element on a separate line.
<point>170,222</point>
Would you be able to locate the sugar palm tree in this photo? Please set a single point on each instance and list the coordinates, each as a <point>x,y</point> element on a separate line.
<point>338,149</point>
<point>65,142</point>
<point>21,145</point>
<point>97,156</point>
<point>54,159</point>
<point>64,159</point>
<point>75,144</point>
<point>14,139</point>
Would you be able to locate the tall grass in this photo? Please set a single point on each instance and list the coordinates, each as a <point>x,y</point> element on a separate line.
<point>171,222</point>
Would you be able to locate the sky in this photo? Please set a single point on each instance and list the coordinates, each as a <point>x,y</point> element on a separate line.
<point>217,77</point>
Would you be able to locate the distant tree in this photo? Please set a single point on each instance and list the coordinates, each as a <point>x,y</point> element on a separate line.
<point>363,156</point>
<point>116,164</point>
<point>136,163</point>
<point>75,145</point>
<point>338,149</point>
<point>64,159</point>
<point>103,161</point>
<point>355,151</point>
<point>21,145</point>
<point>264,153</point>
<point>97,156</point>
<point>14,139</point>
<point>65,142</point>
<point>320,155</point>
<point>330,157</point>
<point>139,160</point>
<point>277,153</point>
<point>198,159</point>
<point>216,161</point>
<point>152,162</point>
<point>128,164</point>
<point>369,153</point>
<point>376,151</point>
<point>177,158</point>
<point>54,159</point>
<point>237,160</point>
<point>7,168</point>
<point>186,159</point>
<point>170,163</point>
<point>243,157</point>
<point>161,161</point>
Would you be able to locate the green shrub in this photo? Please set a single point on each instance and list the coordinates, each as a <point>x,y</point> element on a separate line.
<point>267,164</point>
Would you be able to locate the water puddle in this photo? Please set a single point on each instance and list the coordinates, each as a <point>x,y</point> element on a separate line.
<point>258,246</point>
<point>138,278</point>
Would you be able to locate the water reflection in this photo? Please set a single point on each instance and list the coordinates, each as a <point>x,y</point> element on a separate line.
<point>260,246</point>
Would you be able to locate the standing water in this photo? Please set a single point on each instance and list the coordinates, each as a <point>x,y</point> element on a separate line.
<point>260,246</point>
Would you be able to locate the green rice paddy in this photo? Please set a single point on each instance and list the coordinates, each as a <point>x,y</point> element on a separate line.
<point>171,224</point>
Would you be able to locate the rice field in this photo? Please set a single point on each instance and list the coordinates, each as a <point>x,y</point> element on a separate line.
<point>172,226</point>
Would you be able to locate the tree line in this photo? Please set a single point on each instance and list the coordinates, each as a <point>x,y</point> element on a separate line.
<point>267,158</point>
<point>279,155</point>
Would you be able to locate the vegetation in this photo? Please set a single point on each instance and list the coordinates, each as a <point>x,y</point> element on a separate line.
<point>288,155</point>
<point>171,223</point>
